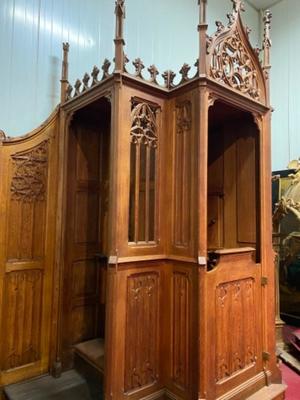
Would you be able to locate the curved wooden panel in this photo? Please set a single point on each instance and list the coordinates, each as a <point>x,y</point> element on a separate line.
<point>27,234</point>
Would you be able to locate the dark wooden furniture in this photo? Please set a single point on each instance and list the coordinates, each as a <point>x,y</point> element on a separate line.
<point>172,184</point>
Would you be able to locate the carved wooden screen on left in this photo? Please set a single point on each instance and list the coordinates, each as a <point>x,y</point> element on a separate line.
<point>27,238</point>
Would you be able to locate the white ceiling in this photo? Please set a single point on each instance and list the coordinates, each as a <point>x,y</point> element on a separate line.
<point>263,4</point>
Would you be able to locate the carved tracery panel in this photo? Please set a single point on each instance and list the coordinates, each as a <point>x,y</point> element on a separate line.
<point>143,155</point>
<point>232,65</point>
<point>29,178</point>
<point>27,206</point>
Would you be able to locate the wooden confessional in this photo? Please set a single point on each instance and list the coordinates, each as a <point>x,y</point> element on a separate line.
<point>136,228</point>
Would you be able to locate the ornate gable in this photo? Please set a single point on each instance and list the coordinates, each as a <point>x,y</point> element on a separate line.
<point>231,59</point>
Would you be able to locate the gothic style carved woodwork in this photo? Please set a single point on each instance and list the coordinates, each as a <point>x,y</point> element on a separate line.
<point>182,178</point>
<point>2,136</point>
<point>30,170</point>
<point>169,77</point>
<point>181,324</point>
<point>232,65</point>
<point>22,319</point>
<point>144,142</point>
<point>142,329</point>
<point>236,348</point>
<point>159,176</point>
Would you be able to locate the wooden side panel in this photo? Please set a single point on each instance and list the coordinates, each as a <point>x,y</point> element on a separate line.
<point>22,316</point>
<point>180,150</point>
<point>142,330</point>
<point>182,175</point>
<point>27,236</point>
<point>246,199</point>
<point>181,329</point>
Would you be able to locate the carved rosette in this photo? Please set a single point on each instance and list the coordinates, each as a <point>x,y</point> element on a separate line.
<point>144,127</point>
<point>232,65</point>
<point>29,179</point>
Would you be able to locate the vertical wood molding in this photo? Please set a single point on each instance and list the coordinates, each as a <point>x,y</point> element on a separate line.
<point>182,175</point>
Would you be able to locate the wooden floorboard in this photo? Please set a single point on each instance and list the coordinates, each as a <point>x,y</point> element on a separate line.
<point>70,386</point>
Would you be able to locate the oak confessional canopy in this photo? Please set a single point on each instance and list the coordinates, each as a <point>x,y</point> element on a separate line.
<point>137,228</point>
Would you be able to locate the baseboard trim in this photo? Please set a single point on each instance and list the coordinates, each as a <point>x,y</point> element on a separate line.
<point>261,377</point>
<point>172,396</point>
<point>156,395</point>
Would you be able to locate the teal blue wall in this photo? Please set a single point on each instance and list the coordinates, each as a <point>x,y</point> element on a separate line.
<point>163,32</point>
<point>285,82</point>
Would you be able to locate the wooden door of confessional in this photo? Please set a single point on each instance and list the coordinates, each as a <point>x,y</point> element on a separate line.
<point>234,289</point>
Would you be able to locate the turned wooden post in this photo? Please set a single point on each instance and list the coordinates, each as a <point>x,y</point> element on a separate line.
<point>202,29</point>
<point>119,37</point>
<point>267,44</point>
<point>64,73</point>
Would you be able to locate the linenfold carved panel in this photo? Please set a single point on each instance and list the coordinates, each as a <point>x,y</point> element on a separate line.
<point>142,316</point>
<point>235,336</point>
<point>29,180</point>
<point>181,329</point>
<point>22,318</point>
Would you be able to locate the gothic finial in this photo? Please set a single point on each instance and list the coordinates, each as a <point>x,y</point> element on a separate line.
<point>69,92</point>
<point>139,66</point>
<point>119,37</point>
<point>105,68</point>
<point>77,86</point>
<point>2,136</point>
<point>238,6</point>
<point>184,72</point>
<point>94,75</point>
<point>267,42</point>
<point>220,26</point>
<point>120,8</point>
<point>203,10</point>
<point>153,71</point>
<point>267,28</point>
<point>169,78</point>
<point>202,29</point>
<point>85,82</point>
<point>125,62</point>
<point>64,73</point>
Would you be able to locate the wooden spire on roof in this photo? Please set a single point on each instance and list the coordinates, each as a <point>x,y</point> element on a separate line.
<point>202,28</point>
<point>119,37</point>
<point>65,72</point>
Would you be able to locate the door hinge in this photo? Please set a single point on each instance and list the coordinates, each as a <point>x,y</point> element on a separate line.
<point>264,280</point>
<point>265,356</point>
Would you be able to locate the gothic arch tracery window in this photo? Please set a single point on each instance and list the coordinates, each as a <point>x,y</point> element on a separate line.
<point>143,160</point>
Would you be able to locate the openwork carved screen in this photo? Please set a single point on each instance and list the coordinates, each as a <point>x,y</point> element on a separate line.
<point>231,64</point>
<point>143,154</point>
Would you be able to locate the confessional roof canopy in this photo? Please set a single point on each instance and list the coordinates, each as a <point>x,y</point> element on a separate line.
<point>226,58</point>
